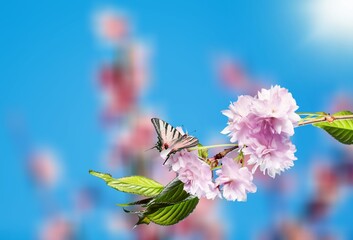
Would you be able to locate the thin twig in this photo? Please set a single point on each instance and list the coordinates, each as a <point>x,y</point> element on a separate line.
<point>213,161</point>
<point>323,119</point>
<point>328,118</point>
<point>343,117</point>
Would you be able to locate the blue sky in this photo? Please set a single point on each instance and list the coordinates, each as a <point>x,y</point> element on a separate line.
<point>49,57</point>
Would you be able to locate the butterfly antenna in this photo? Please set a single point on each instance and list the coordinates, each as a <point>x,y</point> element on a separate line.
<point>194,132</point>
<point>150,148</point>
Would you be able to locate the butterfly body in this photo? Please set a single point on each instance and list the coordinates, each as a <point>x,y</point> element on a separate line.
<point>170,140</point>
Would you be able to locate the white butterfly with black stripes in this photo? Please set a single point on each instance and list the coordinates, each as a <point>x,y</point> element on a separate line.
<point>170,140</point>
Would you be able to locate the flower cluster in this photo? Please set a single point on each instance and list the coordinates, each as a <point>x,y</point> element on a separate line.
<point>262,126</point>
<point>233,179</point>
<point>194,173</point>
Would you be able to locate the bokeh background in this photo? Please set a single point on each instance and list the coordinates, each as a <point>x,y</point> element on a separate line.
<point>80,80</point>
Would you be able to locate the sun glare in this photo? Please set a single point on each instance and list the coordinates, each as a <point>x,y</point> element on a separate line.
<point>332,19</point>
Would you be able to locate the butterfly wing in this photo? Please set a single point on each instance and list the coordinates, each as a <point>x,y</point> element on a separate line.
<point>184,142</point>
<point>167,134</point>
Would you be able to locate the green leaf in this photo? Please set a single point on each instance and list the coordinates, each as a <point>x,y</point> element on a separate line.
<point>140,202</point>
<point>142,220</point>
<point>135,184</point>
<point>203,153</point>
<point>341,130</point>
<point>172,193</point>
<point>166,206</point>
<point>169,207</point>
<point>173,213</point>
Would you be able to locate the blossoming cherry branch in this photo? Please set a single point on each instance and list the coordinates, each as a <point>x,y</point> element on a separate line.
<point>260,129</point>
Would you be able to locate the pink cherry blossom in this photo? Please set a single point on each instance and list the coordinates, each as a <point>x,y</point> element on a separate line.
<point>262,126</point>
<point>194,173</point>
<point>178,160</point>
<point>236,180</point>
<point>278,104</point>
<point>274,155</point>
<point>237,112</point>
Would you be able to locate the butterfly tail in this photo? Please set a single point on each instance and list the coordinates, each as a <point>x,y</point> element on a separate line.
<point>165,154</point>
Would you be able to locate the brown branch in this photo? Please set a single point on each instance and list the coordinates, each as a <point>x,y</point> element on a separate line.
<point>328,118</point>
<point>213,161</point>
<point>323,119</point>
<point>343,117</point>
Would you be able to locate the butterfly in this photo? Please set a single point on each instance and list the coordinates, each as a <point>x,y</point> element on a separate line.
<point>170,140</point>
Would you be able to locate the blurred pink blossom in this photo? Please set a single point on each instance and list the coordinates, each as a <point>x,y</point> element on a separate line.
<point>123,83</point>
<point>326,183</point>
<point>139,65</point>
<point>44,167</point>
<point>141,134</point>
<point>119,91</point>
<point>85,199</point>
<point>341,102</point>
<point>117,223</point>
<point>112,26</point>
<point>296,231</point>
<point>204,222</point>
<point>57,228</point>
<point>132,142</point>
<point>235,77</point>
<point>233,74</point>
